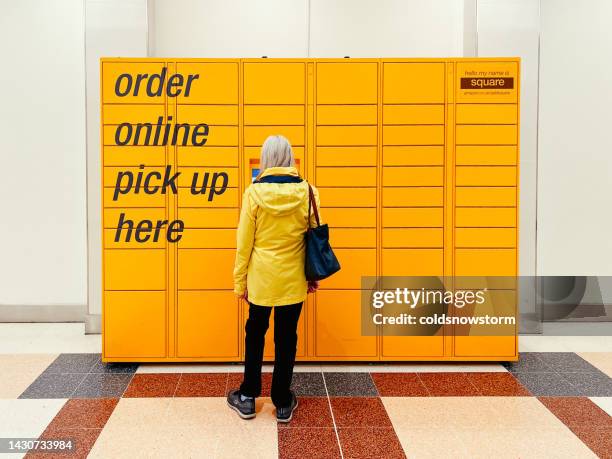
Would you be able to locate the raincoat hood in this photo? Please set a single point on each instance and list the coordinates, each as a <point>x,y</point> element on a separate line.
<point>279,198</point>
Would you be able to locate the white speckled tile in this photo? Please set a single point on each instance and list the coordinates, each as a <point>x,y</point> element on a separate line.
<point>52,338</point>
<point>430,367</point>
<point>605,403</point>
<point>20,370</point>
<point>22,418</point>
<point>601,360</point>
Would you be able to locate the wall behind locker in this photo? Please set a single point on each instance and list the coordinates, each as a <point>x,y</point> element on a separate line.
<point>280,28</point>
<point>386,28</point>
<point>575,170</point>
<point>221,28</point>
<point>42,126</point>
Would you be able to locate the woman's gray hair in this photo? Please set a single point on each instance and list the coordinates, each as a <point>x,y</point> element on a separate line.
<point>276,152</point>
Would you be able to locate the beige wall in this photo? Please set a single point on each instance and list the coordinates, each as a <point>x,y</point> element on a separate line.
<point>43,229</point>
<point>575,141</point>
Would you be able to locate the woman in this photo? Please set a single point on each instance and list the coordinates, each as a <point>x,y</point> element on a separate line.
<point>269,273</point>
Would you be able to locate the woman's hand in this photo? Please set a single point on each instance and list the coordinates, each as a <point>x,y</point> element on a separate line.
<point>313,286</point>
<point>244,296</point>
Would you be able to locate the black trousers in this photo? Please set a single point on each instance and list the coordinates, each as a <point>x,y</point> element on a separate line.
<point>285,346</point>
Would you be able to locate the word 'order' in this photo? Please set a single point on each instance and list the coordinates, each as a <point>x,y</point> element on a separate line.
<point>155,85</point>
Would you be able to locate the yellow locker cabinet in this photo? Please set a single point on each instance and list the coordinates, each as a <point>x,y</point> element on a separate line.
<point>416,161</point>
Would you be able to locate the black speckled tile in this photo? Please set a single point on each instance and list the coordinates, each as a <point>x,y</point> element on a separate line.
<point>49,385</point>
<point>72,363</point>
<point>308,384</point>
<point>565,362</point>
<point>101,367</point>
<point>593,384</point>
<point>350,385</point>
<point>546,384</point>
<point>102,385</point>
<point>528,361</point>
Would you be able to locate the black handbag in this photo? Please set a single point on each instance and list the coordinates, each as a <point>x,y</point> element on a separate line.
<point>320,259</point>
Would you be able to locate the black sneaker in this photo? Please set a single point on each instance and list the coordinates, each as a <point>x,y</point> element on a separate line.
<point>285,414</point>
<point>244,408</point>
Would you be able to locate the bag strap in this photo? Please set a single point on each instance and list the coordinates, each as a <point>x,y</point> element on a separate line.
<point>312,204</point>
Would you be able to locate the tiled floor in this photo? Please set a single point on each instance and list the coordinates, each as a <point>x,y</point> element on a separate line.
<point>546,405</point>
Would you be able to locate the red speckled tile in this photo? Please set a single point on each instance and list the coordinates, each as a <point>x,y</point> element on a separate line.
<point>79,420</point>
<point>599,439</point>
<point>84,413</point>
<point>82,441</point>
<point>311,412</point>
<point>399,385</point>
<point>577,411</point>
<point>235,379</point>
<point>359,412</point>
<point>370,443</point>
<point>297,443</point>
<point>448,384</point>
<point>201,385</point>
<point>498,384</point>
<point>152,385</point>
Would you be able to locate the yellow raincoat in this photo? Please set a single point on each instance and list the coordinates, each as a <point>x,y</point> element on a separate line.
<point>270,252</point>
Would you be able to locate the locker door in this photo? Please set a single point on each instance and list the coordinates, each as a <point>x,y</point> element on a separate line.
<point>342,83</point>
<point>205,269</point>
<point>413,83</point>
<point>274,83</point>
<point>338,327</point>
<point>208,325</point>
<point>493,341</point>
<point>412,347</point>
<point>217,83</point>
<point>134,324</point>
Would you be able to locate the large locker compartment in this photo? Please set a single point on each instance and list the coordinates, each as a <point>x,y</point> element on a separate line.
<point>417,169</point>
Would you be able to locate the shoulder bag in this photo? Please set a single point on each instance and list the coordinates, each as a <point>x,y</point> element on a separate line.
<point>320,259</point>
